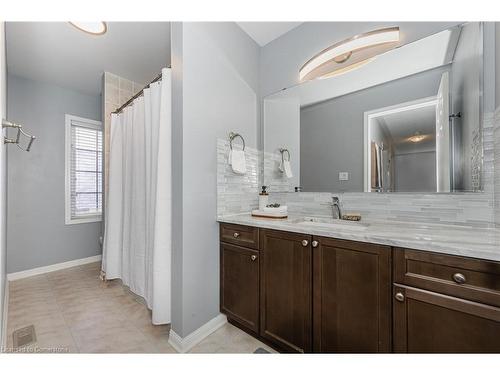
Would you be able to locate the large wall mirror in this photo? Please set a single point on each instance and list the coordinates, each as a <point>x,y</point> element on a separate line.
<point>410,120</point>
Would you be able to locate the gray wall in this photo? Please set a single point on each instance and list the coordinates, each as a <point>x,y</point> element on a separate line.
<point>415,171</point>
<point>36,233</point>
<point>215,91</point>
<point>177,194</point>
<point>331,133</point>
<point>3,180</point>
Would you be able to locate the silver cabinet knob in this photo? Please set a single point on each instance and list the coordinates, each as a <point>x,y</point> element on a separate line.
<point>400,297</point>
<point>305,243</point>
<point>459,278</point>
<point>236,234</point>
<point>315,243</point>
<point>253,257</point>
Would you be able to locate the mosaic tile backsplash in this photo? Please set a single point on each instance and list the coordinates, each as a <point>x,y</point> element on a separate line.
<point>236,193</point>
<point>496,166</point>
<point>239,194</point>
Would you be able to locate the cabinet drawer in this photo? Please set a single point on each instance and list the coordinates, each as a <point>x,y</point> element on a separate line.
<point>240,235</point>
<point>468,278</point>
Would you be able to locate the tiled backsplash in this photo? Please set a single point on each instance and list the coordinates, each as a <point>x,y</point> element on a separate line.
<point>461,209</point>
<point>496,137</point>
<point>238,194</point>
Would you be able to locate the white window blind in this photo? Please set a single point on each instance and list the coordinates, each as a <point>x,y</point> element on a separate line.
<point>85,170</point>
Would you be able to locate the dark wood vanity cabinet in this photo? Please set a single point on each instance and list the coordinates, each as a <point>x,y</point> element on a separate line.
<point>239,285</point>
<point>352,297</point>
<point>429,322</point>
<point>302,293</point>
<point>286,290</point>
<point>445,304</point>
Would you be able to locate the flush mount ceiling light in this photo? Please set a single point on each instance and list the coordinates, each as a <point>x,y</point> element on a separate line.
<point>350,53</point>
<point>94,28</point>
<point>417,137</point>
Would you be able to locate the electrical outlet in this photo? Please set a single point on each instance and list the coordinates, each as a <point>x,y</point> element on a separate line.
<point>343,176</point>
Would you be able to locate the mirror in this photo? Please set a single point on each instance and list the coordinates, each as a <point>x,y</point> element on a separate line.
<point>410,120</point>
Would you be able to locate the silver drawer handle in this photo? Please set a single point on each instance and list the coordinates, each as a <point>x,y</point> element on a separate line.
<point>305,243</point>
<point>253,257</point>
<point>400,297</point>
<point>236,234</point>
<point>459,278</point>
<point>315,243</point>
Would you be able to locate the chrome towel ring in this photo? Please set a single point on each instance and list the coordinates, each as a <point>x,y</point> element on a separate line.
<point>282,151</point>
<point>232,136</point>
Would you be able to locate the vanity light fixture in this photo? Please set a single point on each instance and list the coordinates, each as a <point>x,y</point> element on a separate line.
<point>350,54</point>
<point>94,28</point>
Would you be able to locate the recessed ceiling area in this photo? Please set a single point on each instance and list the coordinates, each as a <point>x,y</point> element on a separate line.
<point>265,32</point>
<point>60,54</point>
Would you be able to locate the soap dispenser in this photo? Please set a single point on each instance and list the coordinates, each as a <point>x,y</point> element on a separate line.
<point>263,198</point>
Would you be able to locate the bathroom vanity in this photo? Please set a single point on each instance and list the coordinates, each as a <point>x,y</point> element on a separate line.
<point>421,272</point>
<point>303,292</point>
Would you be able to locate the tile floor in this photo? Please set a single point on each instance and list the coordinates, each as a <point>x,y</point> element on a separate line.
<point>73,311</point>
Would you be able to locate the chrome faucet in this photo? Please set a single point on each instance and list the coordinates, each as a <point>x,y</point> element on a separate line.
<point>336,206</point>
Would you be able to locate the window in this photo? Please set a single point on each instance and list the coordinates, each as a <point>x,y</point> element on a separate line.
<point>83,170</point>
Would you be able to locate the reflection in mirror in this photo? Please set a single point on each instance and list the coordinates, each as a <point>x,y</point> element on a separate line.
<point>402,147</point>
<point>407,121</point>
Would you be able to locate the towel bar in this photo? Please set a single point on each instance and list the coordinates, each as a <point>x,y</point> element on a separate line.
<point>9,124</point>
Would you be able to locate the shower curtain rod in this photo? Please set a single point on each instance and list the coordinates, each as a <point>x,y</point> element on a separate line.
<point>128,102</point>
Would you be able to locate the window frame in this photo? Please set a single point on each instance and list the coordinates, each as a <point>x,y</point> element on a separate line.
<point>90,124</point>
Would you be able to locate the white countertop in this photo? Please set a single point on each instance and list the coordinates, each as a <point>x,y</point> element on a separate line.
<point>482,243</point>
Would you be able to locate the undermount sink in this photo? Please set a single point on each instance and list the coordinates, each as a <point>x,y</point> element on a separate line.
<point>332,223</point>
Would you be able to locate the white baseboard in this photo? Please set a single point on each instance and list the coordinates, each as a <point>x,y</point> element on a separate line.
<point>53,267</point>
<point>183,345</point>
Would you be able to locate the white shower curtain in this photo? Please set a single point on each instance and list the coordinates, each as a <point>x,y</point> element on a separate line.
<point>137,239</point>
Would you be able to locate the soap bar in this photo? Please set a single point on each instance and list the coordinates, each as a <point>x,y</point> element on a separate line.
<point>351,217</point>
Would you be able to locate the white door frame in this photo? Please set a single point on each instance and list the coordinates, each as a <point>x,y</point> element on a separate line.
<point>379,112</point>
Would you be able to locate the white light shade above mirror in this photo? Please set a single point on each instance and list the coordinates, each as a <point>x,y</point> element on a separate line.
<point>94,28</point>
<point>350,53</point>
<point>397,63</point>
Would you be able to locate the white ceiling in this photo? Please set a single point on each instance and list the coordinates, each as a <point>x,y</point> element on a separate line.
<point>58,53</point>
<point>265,32</point>
<point>402,125</point>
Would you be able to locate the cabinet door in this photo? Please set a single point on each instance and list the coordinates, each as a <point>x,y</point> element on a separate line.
<point>239,298</point>
<point>286,290</point>
<point>428,322</point>
<point>351,297</point>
